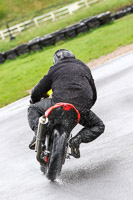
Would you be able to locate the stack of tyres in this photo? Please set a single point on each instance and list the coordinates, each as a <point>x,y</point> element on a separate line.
<point>70,31</point>
<point>59,35</point>
<point>47,40</point>
<point>120,14</point>
<point>35,44</point>
<point>131,8</point>
<point>113,16</point>
<point>11,54</point>
<point>81,28</point>
<point>2,58</point>
<point>128,9</point>
<point>91,22</point>
<point>22,49</point>
<point>104,18</point>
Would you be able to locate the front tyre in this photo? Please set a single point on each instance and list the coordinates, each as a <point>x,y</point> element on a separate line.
<point>57,155</point>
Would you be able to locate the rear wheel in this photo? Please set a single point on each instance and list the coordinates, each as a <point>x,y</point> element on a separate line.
<point>57,155</point>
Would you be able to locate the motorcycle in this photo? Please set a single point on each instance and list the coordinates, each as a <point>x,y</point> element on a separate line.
<point>52,142</point>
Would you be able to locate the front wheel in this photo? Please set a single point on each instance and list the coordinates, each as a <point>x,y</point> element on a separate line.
<point>57,155</point>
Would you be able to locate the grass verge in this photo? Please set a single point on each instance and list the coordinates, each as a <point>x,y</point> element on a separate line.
<point>18,76</point>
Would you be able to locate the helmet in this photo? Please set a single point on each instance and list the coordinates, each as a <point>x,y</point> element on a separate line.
<point>61,54</point>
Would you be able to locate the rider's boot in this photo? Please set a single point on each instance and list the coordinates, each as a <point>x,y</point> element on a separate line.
<point>32,143</point>
<point>74,145</point>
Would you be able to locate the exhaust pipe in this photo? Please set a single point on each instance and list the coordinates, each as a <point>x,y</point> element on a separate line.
<point>41,133</point>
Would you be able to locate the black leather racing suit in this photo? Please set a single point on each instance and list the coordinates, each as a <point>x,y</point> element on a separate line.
<point>71,81</point>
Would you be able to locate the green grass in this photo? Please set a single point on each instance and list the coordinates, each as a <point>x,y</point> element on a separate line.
<point>101,6</point>
<point>22,74</point>
<point>19,9</point>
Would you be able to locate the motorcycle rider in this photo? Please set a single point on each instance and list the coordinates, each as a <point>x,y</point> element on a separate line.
<point>71,81</point>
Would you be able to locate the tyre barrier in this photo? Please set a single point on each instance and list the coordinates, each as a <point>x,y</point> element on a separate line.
<point>91,22</point>
<point>21,49</point>
<point>35,44</point>
<point>2,58</point>
<point>11,54</point>
<point>72,31</point>
<point>104,18</point>
<point>47,40</point>
<point>59,35</point>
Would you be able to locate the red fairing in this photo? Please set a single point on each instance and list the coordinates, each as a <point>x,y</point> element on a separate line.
<point>66,106</point>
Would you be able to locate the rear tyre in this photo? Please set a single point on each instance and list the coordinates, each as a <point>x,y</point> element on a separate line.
<point>57,155</point>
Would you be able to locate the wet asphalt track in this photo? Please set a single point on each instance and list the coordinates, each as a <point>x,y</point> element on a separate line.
<point>105,169</point>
